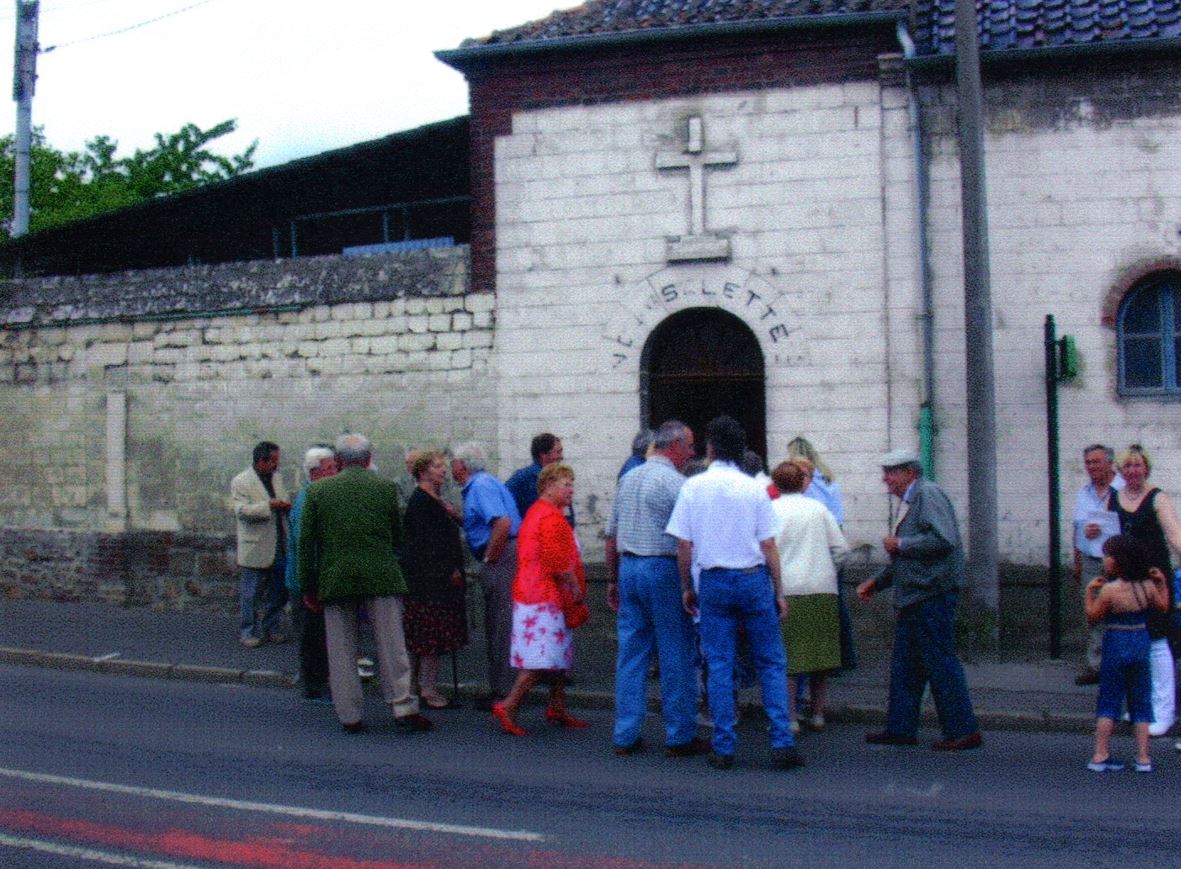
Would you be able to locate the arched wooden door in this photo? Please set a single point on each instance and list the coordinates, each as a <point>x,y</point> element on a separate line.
<point>699,364</point>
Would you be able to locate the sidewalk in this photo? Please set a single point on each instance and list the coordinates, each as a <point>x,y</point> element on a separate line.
<point>1039,695</point>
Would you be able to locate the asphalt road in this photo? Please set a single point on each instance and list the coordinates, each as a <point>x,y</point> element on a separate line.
<point>101,770</point>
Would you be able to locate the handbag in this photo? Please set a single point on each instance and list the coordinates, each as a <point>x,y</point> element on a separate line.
<point>576,613</point>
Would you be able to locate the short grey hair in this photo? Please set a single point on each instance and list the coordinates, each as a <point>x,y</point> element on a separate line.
<point>669,433</point>
<point>353,449</point>
<point>473,456</point>
<point>1108,452</point>
<point>643,439</point>
<point>313,457</point>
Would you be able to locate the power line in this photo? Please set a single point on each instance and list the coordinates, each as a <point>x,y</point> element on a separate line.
<point>131,27</point>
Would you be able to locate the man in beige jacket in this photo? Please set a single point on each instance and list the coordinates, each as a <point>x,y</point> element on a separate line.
<point>260,506</point>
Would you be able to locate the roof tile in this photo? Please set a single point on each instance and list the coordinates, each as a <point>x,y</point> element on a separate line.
<point>1003,24</point>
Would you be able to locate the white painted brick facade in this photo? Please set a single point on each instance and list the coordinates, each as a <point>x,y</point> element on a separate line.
<point>822,206</point>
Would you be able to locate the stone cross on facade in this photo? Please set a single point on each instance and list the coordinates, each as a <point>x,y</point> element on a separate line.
<point>699,243</point>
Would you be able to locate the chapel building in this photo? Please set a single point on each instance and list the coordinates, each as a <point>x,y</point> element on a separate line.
<point>678,208</point>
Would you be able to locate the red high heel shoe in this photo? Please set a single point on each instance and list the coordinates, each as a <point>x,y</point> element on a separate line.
<point>500,714</point>
<point>564,718</point>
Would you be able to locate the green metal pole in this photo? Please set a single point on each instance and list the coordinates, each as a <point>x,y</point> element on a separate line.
<point>927,440</point>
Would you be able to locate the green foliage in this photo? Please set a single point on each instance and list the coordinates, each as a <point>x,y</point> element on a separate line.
<point>72,185</point>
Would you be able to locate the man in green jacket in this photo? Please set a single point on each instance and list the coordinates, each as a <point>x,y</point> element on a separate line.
<point>350,537</point>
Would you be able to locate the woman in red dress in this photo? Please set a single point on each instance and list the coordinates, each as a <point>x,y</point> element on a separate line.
<point>548,564</point>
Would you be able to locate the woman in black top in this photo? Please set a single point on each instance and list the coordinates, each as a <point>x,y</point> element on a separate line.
<point>435,618</point>
<point>1146,513</point>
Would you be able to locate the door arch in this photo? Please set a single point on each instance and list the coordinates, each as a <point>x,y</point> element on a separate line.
<point>700,363</point>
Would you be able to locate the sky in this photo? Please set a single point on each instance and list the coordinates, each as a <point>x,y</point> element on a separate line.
<point>300,77</point>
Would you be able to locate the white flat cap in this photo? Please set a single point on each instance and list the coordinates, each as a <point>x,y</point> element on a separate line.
<point>897,458</point>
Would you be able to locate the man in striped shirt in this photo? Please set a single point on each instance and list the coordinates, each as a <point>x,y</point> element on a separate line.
<point>645,594</point>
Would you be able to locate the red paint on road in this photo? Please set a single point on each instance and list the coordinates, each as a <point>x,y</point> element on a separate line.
<point>180,843</point>
<point>295,847</point>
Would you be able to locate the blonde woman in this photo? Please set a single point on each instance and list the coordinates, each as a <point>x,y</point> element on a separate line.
<point>1146,514</point>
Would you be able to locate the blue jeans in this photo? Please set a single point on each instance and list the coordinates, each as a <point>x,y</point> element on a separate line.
<point>1124,672</point>
<point>268,583</point>
<point>729,599</point>
<point>652,618</point>
<point>924,651</point>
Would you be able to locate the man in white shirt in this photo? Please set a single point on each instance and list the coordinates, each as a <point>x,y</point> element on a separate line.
<point>723,518</point>
<point>1093,524</point>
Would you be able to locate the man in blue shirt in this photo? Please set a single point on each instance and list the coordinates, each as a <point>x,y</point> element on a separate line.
<point>1093,524</point>
<point>545,449</point>
<point>490,523</point>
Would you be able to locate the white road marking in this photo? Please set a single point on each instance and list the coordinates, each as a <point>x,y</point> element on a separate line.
<point>88,854</point>
<point>932,792</point>
<point>275,809</point>
<point>110,656</point>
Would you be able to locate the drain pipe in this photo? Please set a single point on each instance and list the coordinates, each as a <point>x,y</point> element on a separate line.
<point>927,315</point>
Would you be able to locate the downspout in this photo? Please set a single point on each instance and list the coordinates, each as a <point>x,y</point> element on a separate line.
<point>927,315</point>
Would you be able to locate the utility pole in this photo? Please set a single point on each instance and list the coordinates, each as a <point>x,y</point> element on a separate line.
<point>981,391</point>
<point>24,80</point>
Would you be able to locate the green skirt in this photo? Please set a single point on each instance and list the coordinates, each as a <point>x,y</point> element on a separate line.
<point>812,633</point>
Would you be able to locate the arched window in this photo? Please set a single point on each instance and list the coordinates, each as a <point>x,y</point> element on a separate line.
<point>1149,337</point>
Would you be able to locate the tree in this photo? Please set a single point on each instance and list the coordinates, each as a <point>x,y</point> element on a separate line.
<point>72,185</point>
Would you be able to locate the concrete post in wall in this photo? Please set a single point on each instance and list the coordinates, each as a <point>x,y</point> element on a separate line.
<point>982,567</point>
<point>116,461</point>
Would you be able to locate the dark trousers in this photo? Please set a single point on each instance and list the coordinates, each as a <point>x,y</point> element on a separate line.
<point>924,651</point>
<point>496,580</point>
<point>313,649</point>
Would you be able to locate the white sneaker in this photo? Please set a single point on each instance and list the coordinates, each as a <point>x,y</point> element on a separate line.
<point>1177,745</point>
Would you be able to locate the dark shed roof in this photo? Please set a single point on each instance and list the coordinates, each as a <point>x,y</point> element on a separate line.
<point>248,217</point>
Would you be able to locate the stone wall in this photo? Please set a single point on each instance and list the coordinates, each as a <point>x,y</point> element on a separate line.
<point>129,401</point>
<point>159,570</point>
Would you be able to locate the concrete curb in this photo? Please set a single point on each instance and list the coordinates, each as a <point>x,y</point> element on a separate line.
<point>148,669</point>
<point>846,713</point>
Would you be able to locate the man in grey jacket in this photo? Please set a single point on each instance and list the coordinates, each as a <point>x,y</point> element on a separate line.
<point>926,570</point>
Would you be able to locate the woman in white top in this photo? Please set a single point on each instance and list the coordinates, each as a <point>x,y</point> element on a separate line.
<point>811,547</point>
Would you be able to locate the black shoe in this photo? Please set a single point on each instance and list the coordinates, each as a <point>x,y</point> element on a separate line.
<point>885,737</point>
<point>627,750</point>
<point>786,758</point>
<point>964,743</point>
<point>355,727</point>
<point>720,761</point>
<point>692,748</point>
<point>414,723</point>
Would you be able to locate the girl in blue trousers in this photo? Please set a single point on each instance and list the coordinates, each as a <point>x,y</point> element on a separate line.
<point>1120,599</point>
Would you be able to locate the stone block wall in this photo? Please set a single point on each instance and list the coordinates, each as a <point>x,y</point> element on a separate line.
<point>158,570</point>
<point>129,402</point>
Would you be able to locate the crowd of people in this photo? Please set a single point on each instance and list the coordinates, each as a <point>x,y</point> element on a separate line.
<point>719,575</point>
